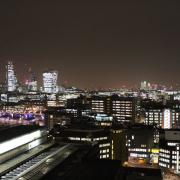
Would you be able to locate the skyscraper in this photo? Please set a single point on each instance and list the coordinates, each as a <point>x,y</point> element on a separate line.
<point>11,79</point>
<point>50,81</point>
<point>143,85</point>
<point>31,81</point>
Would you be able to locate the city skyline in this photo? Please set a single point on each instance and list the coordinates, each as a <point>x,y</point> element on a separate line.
<point>89,90</point>
<point>93,45</point>
<point>30,78</point>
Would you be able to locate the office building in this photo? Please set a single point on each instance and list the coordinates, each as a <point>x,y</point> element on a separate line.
<point>31,82</point>
<point>87,135</point>
<point>50,81</point>
<point>101,104</point>
<point>154,116</point>
<point>78,107</point>
<point>140,144</point>
<point>124,109</point>
<point>119,149</point>
<point>11,79</point>
<point>162,117</point>
<point>143,85</point>
<point>169,144</point>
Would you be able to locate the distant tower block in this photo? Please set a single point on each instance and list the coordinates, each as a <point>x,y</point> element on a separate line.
<point>11,77</point>
<point>31,81</point>
<point>50,81</point>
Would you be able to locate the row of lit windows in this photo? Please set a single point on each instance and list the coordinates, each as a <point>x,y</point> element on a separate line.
<point>165,151</point>
<point>172,144</point>
<point>122,105</point>
<point>158,113</point>
<point>174,152</point>
<point>123,120</point>
<point>138,155</point>
<point>97,104</point>
<point>122,109</point>
<point>79,139</point>
<point>104,145</point>
<point>104,151</point>
<point>150,114</point>
<point>167,165</point>
<point>122,116</point>
<point>125,114</point>
<point>122,102</point>
<point>164,160</point>
<point>163,165</point>
<point>175,157</point>
<point>164,155</point>
<point>154,110</point>
<point>104,156</point>
<point>100,138</point>
<point>152,119</point>
<point>101,108</point>
<point>174,161</point>
<point>105,124</point>
<point>175,116</point>
<point>87,139</point>
<point>138,150</point>
<point>97,101</point>
<point>122,112</point>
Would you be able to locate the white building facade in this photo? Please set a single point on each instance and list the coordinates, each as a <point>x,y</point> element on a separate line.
<point>50,81</point>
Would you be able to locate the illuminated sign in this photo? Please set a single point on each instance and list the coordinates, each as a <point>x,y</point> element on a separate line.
<point>155,151</point>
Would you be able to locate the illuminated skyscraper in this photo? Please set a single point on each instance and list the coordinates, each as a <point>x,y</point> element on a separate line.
<point>31,81</point>
<point>50,81</point>
<point>143,85</point>
<point>11,77</point>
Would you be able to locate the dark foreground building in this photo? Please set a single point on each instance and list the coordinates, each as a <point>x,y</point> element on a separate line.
<point>76,168</point>
<point>28,152</point>
<point>16,140</point>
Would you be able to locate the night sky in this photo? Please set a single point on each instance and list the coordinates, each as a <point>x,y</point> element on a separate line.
<point>93,44</point>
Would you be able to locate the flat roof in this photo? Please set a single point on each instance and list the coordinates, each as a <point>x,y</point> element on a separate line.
<point>84,130</point>
<point>10,132</point>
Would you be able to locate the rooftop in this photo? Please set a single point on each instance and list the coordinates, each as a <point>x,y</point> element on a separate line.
<point>10,132</point>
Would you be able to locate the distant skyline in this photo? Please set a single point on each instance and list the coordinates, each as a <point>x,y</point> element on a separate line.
<point>93,44</point>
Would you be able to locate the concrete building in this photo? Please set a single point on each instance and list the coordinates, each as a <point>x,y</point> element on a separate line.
<point>87,135</point>
<point>19,139</point>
